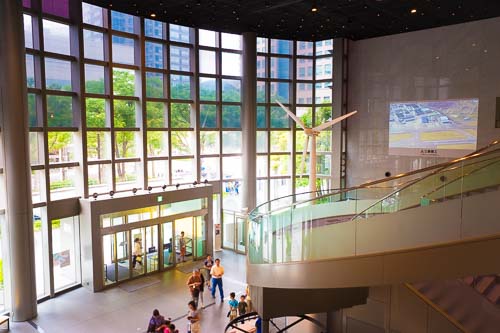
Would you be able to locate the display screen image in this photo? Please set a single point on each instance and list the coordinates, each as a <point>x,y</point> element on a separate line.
<point>437,128</point>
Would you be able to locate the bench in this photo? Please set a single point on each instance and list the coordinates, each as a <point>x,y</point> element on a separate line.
<point>5,319</point>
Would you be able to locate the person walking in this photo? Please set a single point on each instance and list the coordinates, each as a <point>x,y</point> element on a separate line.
<point>194,282</point>
<point>182,246</point>
<point>137,254</point>
<point>207,266</point>
<point>194,318</point>
<point>202,286</point>
<point>217,271</point>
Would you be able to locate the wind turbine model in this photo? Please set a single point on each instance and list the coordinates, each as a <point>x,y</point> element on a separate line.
<point>312,132</point>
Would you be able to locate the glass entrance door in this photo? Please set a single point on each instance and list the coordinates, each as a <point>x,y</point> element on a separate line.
<point>152,258</point>
<point>240,234</point>
<point>167,234</point>
<point>234,231</point>
<point>138,251</point>
<point>184,239</point>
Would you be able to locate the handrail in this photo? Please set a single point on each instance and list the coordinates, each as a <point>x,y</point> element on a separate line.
<point>461,159</point>
<point>255,212</point>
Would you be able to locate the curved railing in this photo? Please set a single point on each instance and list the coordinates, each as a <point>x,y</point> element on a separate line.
<point>307,227</point>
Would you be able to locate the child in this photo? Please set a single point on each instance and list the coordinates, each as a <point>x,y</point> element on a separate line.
<point>233,306</point>
<point>193,318</point>
<point>242,307</point>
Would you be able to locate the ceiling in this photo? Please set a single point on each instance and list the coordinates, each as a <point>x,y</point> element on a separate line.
<point>294,19</point>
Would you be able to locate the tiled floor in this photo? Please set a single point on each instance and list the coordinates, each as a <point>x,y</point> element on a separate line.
<point>116,310</point>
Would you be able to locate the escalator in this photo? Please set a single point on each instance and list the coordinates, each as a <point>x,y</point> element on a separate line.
<point>322,254</point>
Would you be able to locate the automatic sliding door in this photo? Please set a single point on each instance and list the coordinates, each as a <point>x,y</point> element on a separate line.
<point>122,255</point>
<point>138,251</point>
<point>152,249</point>
<point>200,237</point>
<point>168,244</point>
<point>109,259</point>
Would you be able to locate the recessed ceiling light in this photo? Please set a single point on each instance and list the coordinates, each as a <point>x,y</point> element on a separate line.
<point>314,7</point>
<point>413,11</point>
<point>153,15</point>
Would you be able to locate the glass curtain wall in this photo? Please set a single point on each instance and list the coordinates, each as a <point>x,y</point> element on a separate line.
<point>299,75</point>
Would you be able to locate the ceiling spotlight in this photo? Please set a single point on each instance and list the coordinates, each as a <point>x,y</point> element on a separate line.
<point>153,15</point>
<point>134,190</point>
<point>177,186</point>
<point>413,11</point>
<point>95,195</point>
<point>198,2</point>
<point>150,188</point>
<point>164,187</point>
<point>111,193</point>
<point>314,7</point>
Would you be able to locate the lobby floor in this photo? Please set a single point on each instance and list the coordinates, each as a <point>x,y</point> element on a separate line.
<point>116,310</point>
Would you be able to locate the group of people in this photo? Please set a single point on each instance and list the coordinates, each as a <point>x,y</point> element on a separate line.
<point>211,277</point>
<point>158,323</point>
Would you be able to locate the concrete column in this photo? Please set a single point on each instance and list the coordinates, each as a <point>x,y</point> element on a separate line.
<point>249,103</point>
<point>14,122</point>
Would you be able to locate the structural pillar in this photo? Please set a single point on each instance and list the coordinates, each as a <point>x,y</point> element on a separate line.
<point>17,171</point>
<point>334,321</point>
<point>249,103</point>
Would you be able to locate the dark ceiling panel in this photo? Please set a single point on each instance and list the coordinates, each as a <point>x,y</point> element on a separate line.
<point>293,19</point>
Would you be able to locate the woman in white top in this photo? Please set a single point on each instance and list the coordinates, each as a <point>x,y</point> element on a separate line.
<point>137,254</point>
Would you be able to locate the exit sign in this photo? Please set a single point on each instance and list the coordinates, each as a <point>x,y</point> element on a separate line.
<point>159,198</point>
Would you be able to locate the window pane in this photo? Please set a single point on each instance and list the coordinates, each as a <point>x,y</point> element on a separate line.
<point>62,183</point>
<point>324,68</point>
<point>324,47</point>
<point>57,74</point>
<point>323,93</point>
<point>123,82</point>
<point>304,69</point>
<point>93,45</point>
<point>153,28</point>
<point>100,178</point>
<point>183,171</point>
<point>28,31</point>
<point>207,62</point>
<point>123,50</point>
<point>98,146</point>
<point>36,147</point>
<point>210,168</point>
<point>56,37</point>
<point>208,90</point>
<point>180,87</point>
<point>122,22</point>
<point>261,67</point>
<point>61,147</point>
<point>304,93</point>
<point>231,41</point>
<point>231,116</point>
<point>59,111</point>
<point>280,188</point>
<point>231,142</point>
<point>38,186</point>
<point>280,68</point>
<point>261,166</point>
<point>261,142</point>
<point>280,165</point>
<point>208,116</point>
<point>124,114</point>
<point>231,167</point>
<point>209,143</point>
<point>261,92</point>
<point>231,64</point>
<point>207,38</point>
<point>65,252</point>
<point>261,117</point>
<point>56,7</point>
<point>157,143</point>
<point>280,141</point>
<point>40,245</point>
<point>156,115</point>
<point>180,59</point>
<point>281,46</point>
<point>154,55</point>
<point>94,79</point>
<point>305,48</point>
<point>280,91</point>
<point>154,85</point>
<point>125,144</point>
<point>32,110</point>
<point>261,44</point>
<point>96,112</point>
<point>158,173</point>
<point>92,14</point>
<point>231,90</point>
<point>262,191</point>
<point>179,33</point>
<point>183,143</point>
<point>324,143</point>
<point>279,118</point>
<point>126,175</point>
<point>30,71</point>
<point>181,115</point>
<point>305,114</point>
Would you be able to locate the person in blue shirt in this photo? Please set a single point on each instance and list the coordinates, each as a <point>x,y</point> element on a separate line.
<point>258,325</point>
<point>233,306</point>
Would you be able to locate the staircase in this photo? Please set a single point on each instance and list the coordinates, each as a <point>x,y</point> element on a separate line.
<point>472,302</point>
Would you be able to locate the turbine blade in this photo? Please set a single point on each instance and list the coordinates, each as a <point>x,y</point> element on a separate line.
<point>333,122</point>
<point>292,115</point>
<point>304,155</point>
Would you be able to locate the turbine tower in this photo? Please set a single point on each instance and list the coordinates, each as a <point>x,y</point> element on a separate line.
<point>312,133</point>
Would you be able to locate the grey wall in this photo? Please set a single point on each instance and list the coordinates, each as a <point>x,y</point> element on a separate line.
<point>460,61</point>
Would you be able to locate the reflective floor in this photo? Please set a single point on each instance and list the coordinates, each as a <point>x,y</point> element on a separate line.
<point>117,310</point>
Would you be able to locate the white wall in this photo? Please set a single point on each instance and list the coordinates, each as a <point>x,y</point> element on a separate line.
<point>454,62</point>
